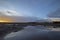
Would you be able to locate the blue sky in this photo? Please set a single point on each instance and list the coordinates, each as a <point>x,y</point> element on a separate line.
<point>35,8</point>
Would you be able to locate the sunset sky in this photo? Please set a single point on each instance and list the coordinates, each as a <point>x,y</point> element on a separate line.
<point>35,8</point>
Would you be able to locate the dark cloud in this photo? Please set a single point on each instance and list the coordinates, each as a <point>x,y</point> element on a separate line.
<point>55,14</point>
<point>23,19</point>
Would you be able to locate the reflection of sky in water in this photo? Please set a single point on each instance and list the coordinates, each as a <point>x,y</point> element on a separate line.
<point>34,31</point>
<point>29,31</point>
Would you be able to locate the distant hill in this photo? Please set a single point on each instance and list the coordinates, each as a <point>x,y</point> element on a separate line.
<point>49,20</point>
<point>43,20</point>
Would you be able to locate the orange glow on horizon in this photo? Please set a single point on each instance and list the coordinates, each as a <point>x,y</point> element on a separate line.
<point>5,19</point>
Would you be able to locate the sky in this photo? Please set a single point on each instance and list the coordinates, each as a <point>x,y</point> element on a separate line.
<point>32,8</point>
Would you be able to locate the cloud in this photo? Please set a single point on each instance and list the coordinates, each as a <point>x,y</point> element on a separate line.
<point>15,16</point>
<point>9,13</point>
<point>7,9</point>
<point>55,14</point>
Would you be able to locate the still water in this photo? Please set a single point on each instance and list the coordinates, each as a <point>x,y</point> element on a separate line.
<point>34,33</point>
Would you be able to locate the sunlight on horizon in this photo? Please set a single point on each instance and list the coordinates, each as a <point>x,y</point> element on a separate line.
<point>3,21</point>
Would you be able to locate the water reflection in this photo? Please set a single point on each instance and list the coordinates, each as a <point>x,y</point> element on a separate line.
<point>34,33</point>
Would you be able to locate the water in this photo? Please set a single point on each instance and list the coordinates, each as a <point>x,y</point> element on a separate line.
<point>34,32</point>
